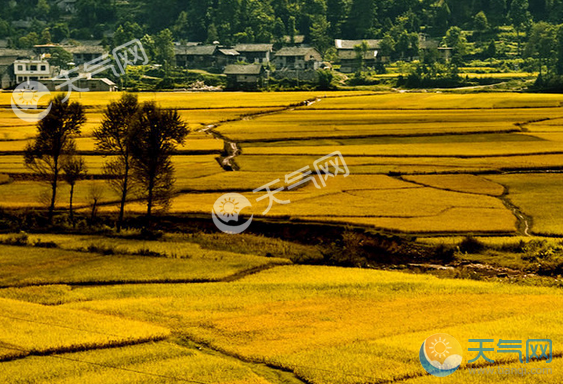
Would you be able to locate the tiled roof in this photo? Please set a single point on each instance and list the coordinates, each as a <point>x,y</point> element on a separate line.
<point>350,44</point>
<point>197,50</point>
<point>294,51</point>
<point>237,69</point>
<point>253,47</point>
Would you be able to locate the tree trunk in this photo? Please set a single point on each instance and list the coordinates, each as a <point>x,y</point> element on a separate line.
<point>150,197</point>
<point>70,204</point>
<point>123,198</point>
<point>54,190</point>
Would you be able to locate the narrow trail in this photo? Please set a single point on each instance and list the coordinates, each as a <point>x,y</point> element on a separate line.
<point>227,279</point>
<point>523,224</point>
<point>231,148</point>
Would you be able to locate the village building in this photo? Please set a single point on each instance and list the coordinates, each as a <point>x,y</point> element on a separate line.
<point>348,57</point>
<point>196,56</point>
<point>255,53</point>
<point>297,58</point>
<point>31,70</point>
<point>245,77</point>
<point>93,84</point>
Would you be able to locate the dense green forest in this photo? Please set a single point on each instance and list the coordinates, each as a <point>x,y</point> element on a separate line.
<point>527,30</point>
<point>231,21</point>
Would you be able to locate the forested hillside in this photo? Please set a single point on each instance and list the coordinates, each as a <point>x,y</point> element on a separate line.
<point>231,21</point>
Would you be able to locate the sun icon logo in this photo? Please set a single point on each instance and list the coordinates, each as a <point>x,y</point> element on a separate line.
<point>440,347</point>
<point>441,354</point>
<point>226,209</point>
<point>27,95</point>
<point>229,207</point>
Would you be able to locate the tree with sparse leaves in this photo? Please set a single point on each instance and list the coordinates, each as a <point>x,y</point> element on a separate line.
<point>155,135</point>
<point>114,137</point>
<point>74,169</point>
<point>47,154</point>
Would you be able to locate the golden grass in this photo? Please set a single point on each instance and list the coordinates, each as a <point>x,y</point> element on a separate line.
<point>32,328</point>
<point>334,325</point>
<point>460,183</point>
<point>23,266</point>
<point>422,100</point>
<point>158,363</point>
<point>311,123</point>
<point>539,196</point>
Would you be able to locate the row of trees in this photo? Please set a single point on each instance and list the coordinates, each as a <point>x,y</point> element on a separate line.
<point>232,21</point>
<point>138,138</point>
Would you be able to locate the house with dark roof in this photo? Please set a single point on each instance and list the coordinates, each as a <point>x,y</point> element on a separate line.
<point>348,57</point>
<point>298,58</point>
<point>254,53</point>
<point>7,59</point>
<point>244,77</point>
<point>196,56</point>
<point>85,53</point>
<point>93,84</point>
<point>225,56</point>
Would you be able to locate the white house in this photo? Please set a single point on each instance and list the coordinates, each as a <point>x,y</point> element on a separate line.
<point>36,70</point>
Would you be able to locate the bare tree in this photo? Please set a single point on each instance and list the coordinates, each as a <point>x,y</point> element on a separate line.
<point>55,139</point>
<point>95,194</point>
<point>114,136</point>
<point>156,133</point>
<point>74,169</point>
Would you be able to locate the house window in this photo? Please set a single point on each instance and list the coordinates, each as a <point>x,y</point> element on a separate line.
<point>33,67</point>
<point>43,67</point>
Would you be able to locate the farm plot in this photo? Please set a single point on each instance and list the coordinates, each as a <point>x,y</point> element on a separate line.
<point>36,329</point>
<point>31,265</point>
<point>334,325</point>
<point>539,196</point>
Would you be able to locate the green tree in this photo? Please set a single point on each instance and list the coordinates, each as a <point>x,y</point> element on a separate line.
<point>181,27</point>
<point>114,137</point>
<point>325,77</point>
<point>457,41</point>
<point>42,9</point>
<point>164,48</point>
<point>337,11</point>
<point>155,134</point>
<point>387,46</point>
<point>212,34</point>
<point>362,19</point>
<point>319,34</point>
<point>60,31</point>
<point>45,37</point>
<point>542,44</point>
<point>491,50</point>
<point>361,51</point>
<point>46,154</point>
<point>480,22</point>
<point>519,16</point>
<point>291,30</point>
<point>60,58</point>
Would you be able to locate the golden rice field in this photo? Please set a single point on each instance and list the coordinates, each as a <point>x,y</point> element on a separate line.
<point>419,162</point>
<point>285,324</point>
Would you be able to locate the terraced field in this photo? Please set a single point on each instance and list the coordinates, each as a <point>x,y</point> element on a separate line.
<point>289,324</point>
<point>440,149</point>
